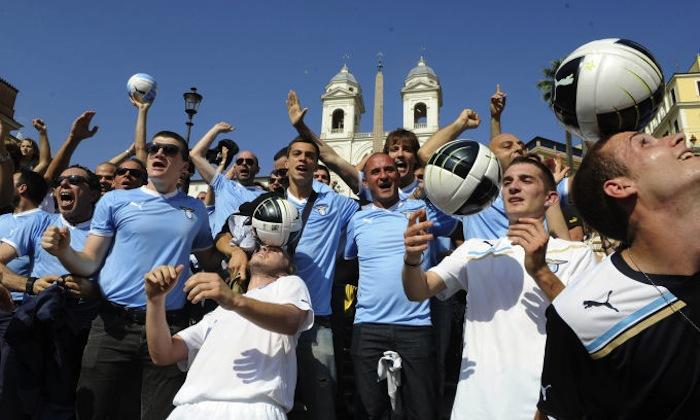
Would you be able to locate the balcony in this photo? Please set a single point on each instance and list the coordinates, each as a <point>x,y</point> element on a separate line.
<point>419,125</point>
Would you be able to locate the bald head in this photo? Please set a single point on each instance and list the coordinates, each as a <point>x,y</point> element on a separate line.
<point>246,167</point>
<point>506,147</point>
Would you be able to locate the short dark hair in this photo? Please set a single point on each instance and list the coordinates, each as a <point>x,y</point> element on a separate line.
<point>184,148</point>
<point>92,180</point>
<point>36,185</point>
<point>323,168</point>
<point>604,213</point>
<point>401,135</point>
<point>305,141</point>
<point>281,152</point>
<point>547,176</point>
<point>138,162</point>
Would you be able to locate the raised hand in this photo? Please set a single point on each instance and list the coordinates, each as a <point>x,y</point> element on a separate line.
<point>55,240</point>
<point>142,106</point>
<point>416,237</point>
<point>530,234</point>
<point>39,125</point>
<point>560,171</point>
<point>161,280</point>
<point>210,286</point>
<point>223,127</point>
<point>80,129</point>
<point>468,119</point>
<point>294,109</point>
<point>498,102</point>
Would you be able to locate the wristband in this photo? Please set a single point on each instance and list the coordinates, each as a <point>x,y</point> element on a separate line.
<point>413,265</point>
<point>29,287</point>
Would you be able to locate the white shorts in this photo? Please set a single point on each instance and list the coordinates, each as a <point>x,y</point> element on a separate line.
<point>214,410</point>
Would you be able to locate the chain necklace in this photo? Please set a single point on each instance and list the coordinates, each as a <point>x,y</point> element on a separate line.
<point>679,310</point>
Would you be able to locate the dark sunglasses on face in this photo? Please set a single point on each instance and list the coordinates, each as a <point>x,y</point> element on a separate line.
<point>136,173</point>
<point>72,179</point>
<point>168,149</point>
<point>280,172</point>
<point>247,161</point>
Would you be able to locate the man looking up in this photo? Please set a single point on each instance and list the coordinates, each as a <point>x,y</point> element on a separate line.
<point>129,175</point>
<point>105,171</point>
<point>509,283</point>
<point>161,226</point>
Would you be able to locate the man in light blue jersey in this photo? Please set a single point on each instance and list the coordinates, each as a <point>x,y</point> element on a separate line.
<point>385,320</point>
<point>132,232</point>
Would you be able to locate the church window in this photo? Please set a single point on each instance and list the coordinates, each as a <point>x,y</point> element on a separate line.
<point>338,121</point>
<point>420,115</point>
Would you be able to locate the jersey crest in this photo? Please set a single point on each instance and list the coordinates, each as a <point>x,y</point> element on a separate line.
<point>189,213</point>
<point>322,209</point>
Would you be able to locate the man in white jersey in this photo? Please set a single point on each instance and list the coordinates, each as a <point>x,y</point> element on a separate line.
<point>509,283</point>
<point>132,232</point>
<point>241,358</point>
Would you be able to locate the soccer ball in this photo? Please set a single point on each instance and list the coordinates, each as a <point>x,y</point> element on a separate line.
<point>142,88</point>
<point>462,177</point>
<point>606,87</point>
<point>274,220</point>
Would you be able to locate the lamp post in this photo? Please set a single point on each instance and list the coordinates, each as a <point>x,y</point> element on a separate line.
<point>192,101</point>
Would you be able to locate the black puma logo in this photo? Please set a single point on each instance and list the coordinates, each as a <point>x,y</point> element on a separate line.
<point>590,303</point>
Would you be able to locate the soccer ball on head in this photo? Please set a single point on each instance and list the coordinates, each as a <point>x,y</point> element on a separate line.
<point>274,220</point>
<point>142,88</point>
<point>462,177</point>
<point>606,87</point>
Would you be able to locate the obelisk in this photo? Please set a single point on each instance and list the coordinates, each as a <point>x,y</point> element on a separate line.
<point>378,130</point>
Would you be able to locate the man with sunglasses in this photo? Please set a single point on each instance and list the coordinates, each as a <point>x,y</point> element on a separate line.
<point>278,181</point>
<point>129,175</point>
<point>132,232</point>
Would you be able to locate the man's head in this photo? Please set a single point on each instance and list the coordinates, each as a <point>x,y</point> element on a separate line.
<point>202,195</point>
<point>630,176</point>
<point>271,261</point>
<point>130,174</point>
<point>382,180</point>
<point>506,147</point>
<point>29,186</point>
<point>76,191</point>
<point>280,158</point>
<point>105,172</point>
<point>246,167</point>
<point>322,174</point>
<point>302,158</point>
<point>402,146</point>
<point>278,180</point>
<point>167,158</point>
<point>528,189</point>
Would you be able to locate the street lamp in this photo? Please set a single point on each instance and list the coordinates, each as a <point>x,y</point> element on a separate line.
<point>192,101</point>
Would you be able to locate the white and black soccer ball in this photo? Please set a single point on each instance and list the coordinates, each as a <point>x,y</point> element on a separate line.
<point>462,177</point>
<point>142,88</point>
<point>274,220</point>
<point>606,87</point>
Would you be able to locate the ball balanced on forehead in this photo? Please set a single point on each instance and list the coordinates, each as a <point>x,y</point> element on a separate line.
<point>462,177</point>
<point>606,87</point>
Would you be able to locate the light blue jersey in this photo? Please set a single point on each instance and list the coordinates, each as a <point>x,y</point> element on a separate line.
<point>20,265</point>
<point>375,237</point>
<point>404,193</point>
<point>229,195</point>
<point>26,240</point>
<point>148,230</point>
<point>316,251</point>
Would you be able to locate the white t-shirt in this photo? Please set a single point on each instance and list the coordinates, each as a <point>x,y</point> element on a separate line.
<point>504,332</point>
<point>239,361</point>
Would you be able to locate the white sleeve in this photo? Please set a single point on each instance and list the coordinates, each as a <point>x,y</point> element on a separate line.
<point>582,262</point>
<point>453,272</point>
<point>293,291</point>
<point>194,337</point>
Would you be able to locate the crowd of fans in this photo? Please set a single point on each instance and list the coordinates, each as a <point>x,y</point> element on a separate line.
<point>122,297</point>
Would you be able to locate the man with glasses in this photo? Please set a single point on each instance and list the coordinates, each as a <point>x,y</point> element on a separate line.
<point>132,232</point>
<point>129,175</point>
<point>278,180</point>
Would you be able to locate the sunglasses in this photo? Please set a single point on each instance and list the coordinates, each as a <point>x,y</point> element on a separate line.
<point>136,173</point>
<point>247,161</point>
<point>168,149</point>
<point>72,179</point>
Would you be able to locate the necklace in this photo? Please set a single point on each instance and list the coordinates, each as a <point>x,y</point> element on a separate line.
<point>680,311</point>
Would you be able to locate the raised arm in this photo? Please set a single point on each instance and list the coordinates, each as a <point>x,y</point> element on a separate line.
<point>345,170</point>
<point>467,119</point>
<point>199,151</point>
<point>121,157</point>
<point>44,147</point>
<point>79,131</point>
<point>279,318</point>
<point>7,168</point>
<point>556,222</point>
<point>497,105</point>
<point>163,348</point>
<point>140,131</point>
<point>417,284</point>
<point>56,241</point>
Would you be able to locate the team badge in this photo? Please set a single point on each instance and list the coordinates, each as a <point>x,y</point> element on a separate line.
<point>188,212</point>
<point>322,210</point>
<point>554,264</point>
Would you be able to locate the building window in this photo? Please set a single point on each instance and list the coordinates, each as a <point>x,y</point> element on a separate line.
<point>697,85</point>
<point>675,126</point>
<point>673,96</point>
<point>338,121</point>
<point>420,115</point>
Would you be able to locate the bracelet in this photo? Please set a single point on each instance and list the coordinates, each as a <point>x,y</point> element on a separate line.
<point>413,265</point>
<point>29,287</point>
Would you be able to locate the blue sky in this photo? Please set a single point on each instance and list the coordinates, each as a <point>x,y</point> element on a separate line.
<point>70,56</point>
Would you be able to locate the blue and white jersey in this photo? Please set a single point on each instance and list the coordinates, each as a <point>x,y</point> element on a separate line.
<point>375,237</point>
<point>229,195</point>
<point>316,251</point>
<point>148,230</point>
<point>20,265</point>
<point>404,193</point>
<point>489,223</point>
